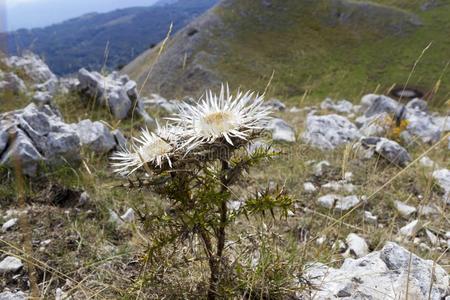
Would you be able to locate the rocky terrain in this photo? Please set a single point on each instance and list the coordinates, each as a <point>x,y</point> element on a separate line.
<point>371,181</point>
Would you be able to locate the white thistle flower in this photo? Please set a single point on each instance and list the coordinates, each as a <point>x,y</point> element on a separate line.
<point>221,116</point>
<point>149,148</point>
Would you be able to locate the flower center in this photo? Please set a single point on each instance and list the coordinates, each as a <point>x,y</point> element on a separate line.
<point>150,151</point>
<point>217,123</point>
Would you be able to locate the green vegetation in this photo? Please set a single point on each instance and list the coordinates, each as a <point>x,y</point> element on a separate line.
<point>338,61</point>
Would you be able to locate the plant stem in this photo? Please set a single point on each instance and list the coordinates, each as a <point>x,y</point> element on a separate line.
<point>216,261</point>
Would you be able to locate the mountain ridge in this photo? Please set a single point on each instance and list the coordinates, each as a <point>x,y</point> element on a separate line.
<point>82,41</point>
<point>312,46</point>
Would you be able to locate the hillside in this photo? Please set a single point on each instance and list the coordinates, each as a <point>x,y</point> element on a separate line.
<point>325,48</point>
<point>81,42</point>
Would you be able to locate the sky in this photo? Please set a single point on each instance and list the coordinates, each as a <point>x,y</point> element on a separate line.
<point>15,14</point>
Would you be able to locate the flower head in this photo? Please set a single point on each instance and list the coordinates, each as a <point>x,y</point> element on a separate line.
<point>150,148</point>
<point>221,116</point>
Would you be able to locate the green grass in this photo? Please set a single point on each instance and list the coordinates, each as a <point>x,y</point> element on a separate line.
<point>340,62</point>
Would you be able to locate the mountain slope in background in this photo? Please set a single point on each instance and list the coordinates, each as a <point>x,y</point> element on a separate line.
<point>338,48</point>
<point>81,42</point>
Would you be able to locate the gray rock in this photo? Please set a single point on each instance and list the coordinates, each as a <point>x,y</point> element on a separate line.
<point>10,264</point>
<point>411,229</point>
<point>384,274</point>
<point>321,167</point>
<point>357,246</point>
<point>7,295</point>
<point>42,98</point>
<point>417,104</point>
<point>428,210</point>
<point>378,104</point>
<point>4,136</point>
<point>309,187</point>
<point>443,123</point>
<point>339,203</point>
<point>32,65</point>
<point>9,224</point>
<point>23,151</point>
<point>342,106</point>
<point>275,104</point>
<point>389,150</point>
<point>404,209</point>
<point>121,141</point>
<point>96,136</point>
<point>330,131</point>
<point>427,162</point>
<point>170,106</point>
<point>370,218</point>
<point>12,83</point>
<point>117,93</point>
<point>442,178</point>
<point>128,216</point>
<point>339,186</point>
<point>421,125</point>
<point>281,131</point>
<point>38,136</point>
<point>50,86</point>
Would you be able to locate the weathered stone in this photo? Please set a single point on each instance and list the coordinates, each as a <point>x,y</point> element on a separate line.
<point>10,82</point>
<point>370,218</point>
<point>281,131</point>
<point>321,167</point>
<point>275,104</point>
<point>121,141</point>
<point>38,135</point>
<point>32,65</point>
<point>160,102</point>
<point>442,178</point>
<point>309,187</point>
<point>385,274</point>
<point>417,104</point>
<point>342,106</point>
<point>339,203</point>
<point>404,209</point>
<point>117,93</point>
<point>357,246</point>
<point>10,264</point>
<point>23,151</point>
<point>95,135</point>
<point>411,229</point>
<point>42,98</point>
<point>389,150</point>
<point>9,224</point>
<point>7,295</point>
<point>338,186</point>
<point>330,131</point>
<point>128,216</point>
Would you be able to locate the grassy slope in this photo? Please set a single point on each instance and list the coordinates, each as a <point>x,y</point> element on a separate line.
<point>292,40</point>
<point>335,62</point>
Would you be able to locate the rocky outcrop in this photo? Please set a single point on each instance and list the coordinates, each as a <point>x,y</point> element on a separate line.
<point>330,131</point>
<point>10,82</point>
<point>95,136</point>
<point>36,137</point>
<point>391,273</point>
<point>117,93</point>
<point>34,67</point>
<point>388,149</point>
<point>381,113</point>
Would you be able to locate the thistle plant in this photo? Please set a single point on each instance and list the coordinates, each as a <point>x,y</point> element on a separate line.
<point>195,163</point>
